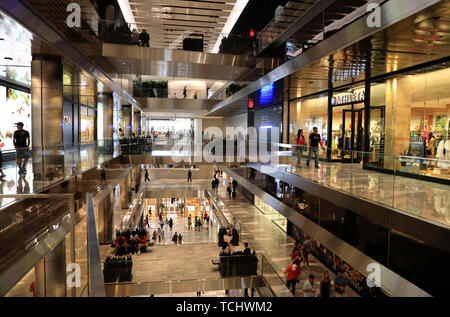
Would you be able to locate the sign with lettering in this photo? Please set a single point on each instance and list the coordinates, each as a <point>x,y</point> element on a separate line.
<point>348,98</point>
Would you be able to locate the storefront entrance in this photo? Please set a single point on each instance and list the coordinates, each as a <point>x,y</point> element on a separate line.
<point>352,136</point>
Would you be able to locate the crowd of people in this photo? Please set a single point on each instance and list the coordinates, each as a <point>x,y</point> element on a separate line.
<point>130,242</point>
<point>300,255</point>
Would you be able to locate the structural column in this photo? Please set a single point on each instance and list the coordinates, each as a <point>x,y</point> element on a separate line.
<point>50,273</point>
<point>106,219</point>
<point>125,192</point>
<point>330,108</point>
<point>137,175</point>
<point>47,111</point>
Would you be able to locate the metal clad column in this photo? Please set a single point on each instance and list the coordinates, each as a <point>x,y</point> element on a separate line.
<point>106,219</point>
<point>330,107</point>
<point>107,116</point>
<point>50,273</point>
<point>125,192</point>
<point>47,110</point>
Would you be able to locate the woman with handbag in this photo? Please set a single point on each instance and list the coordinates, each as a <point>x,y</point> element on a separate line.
<point>300,142</point>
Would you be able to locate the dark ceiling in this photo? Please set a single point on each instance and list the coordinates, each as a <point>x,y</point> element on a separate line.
<point>256,15</point>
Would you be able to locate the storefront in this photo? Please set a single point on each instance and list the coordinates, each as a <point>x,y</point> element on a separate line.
<point>407,126</point>
<point>16,105</point>
<point>177,207</point>
<point>181,129</point>
<point>15,79</point>
<point>87,124</point>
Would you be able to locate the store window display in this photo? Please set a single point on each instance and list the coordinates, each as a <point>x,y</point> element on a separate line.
<point>415,119</point>
<point>307,114</point>
<point>16,105</point>
<point>87,123</point>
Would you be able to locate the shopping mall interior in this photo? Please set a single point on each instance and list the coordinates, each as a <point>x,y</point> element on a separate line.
<point>226,148</point>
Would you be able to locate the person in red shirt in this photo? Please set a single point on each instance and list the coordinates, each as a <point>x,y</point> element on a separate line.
<point>142,242</point>
<point>121,242</point>
<point>300,142</point>
<point>292,274</point>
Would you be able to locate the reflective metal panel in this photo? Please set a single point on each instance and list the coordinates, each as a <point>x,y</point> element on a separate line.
<point>178,63</point>
<point>106,219</point>
<point>96,284</point>
<point>391,13</point>
<point>186,286</point>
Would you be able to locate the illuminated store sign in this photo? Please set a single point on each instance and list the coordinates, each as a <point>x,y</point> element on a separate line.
<point>348,98</point>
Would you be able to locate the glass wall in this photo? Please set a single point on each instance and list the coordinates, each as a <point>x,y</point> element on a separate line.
<point>403,252</point>
<point>409,119</point>
<point>271,213</point>
<point>307,114</point>
<point>416,111</point>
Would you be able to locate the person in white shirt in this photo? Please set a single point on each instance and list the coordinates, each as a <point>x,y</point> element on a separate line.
<point>308,287</point>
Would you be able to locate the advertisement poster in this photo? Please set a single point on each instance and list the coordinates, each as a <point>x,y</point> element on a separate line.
<point>15,51</point>
<point>15,107</point>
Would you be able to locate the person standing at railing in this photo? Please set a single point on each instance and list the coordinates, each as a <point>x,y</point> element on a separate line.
<point>144,37</point>
<point>195,95</point>
<point>300,142</point>
<point>134,37</point>
<point>314,142</point>
<point>184,92</point>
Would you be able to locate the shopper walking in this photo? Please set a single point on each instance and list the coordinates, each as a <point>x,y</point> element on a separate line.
<point>189,176</point>
<point>184,92</point>
<point>147,179</point>
<point>314,143</point>
<point>307,249</point>
<point>325,285</point>
<point>216,184</point>
<point>21,141</point>
<point>229,190</point>
<point>340,282</point>
<point>300,142</point>
<point>175,238</point>
<point>159,235</point>
<point>292,274</point>
<point>308,287</point>
<point>161,223</point>
<point>170,224</point>
<point>189,223</point>
<point>180,238</point>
